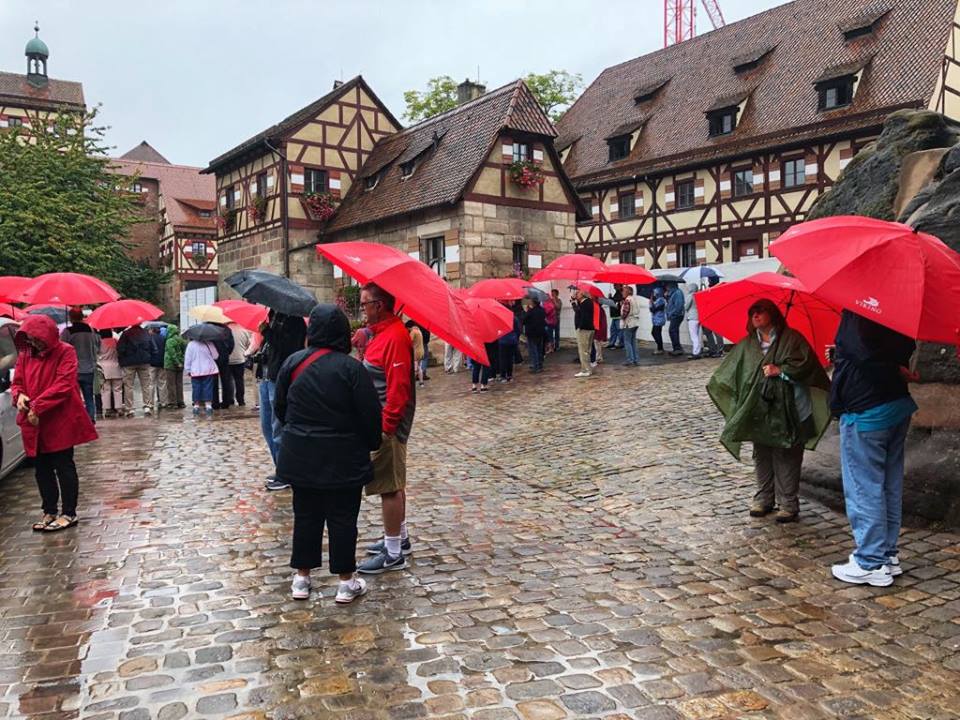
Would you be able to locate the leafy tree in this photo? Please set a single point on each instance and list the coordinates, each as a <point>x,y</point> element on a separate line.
<point>62,210</point>
<point>555,90</point>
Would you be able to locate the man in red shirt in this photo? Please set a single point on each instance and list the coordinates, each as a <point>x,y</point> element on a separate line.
<point>388,358</point>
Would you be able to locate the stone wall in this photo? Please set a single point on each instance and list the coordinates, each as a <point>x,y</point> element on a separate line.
<point>263,250</point>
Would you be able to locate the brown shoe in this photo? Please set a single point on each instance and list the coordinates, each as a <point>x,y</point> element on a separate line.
<point>783,517</point>
<point>757,510</point>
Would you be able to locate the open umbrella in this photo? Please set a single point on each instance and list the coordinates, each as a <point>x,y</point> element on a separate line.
<point>626,274</point>
<point>57,313</point>
<point>11,286</point>
<point>206,332</point>
<point>574,266</point>
<point>123,313</point>
<point>723,308</point>
<point>67,289</point>
<point>11,311</point>
<point>421,294</point>
<point>888,272</point>
<point>589,288</point>
<point>493,319</point>
<point>209,313</point>
<point>698,273</point>
<point>276,292</point>
<point>499,289</point>
<point>245,314</point>
<point>534,293</point>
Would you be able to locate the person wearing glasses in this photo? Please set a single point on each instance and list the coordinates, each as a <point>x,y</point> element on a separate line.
<point>773,392</point>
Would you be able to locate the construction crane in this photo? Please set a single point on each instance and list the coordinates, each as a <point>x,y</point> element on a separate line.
<point>680,19</point>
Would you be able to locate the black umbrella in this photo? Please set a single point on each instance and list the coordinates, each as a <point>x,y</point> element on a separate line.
<point>276,292</point>
<point>667,278</point>
<point>206,332</point>
<point>537,294</point>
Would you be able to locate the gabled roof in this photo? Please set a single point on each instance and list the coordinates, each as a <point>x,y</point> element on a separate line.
<point>276,133</point>
<point>904,53</point>
<point>185,191</point>
<point>467,135</point>
<point>146,152</point>
<point>15,90</point>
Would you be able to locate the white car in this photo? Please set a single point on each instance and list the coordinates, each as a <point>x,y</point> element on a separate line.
<point>11,444</point>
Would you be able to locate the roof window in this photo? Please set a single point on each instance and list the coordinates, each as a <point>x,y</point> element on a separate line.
<point>648,91</point>
<point>863,24</point>
<point>722,121</point>
<point>750,60</point>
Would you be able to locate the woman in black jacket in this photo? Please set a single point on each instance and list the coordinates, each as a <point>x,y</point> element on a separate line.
<point>330,418</point>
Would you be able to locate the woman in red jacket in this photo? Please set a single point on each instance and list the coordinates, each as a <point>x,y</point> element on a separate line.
<point>51,416</point>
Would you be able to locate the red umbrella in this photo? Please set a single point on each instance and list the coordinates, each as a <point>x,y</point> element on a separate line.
<point>123,313</point>
<point>493,319</point>
<point>245,314</point>
<point>724,307</point>
<point>574,266</point>
<point>500,289</point>
<point>11,286</point>
<point>67,289</point>
<point>590,289</point>
<point>625,273</point>
<point>11,311</point>
<point>888,272</point>
<point>420,293</point>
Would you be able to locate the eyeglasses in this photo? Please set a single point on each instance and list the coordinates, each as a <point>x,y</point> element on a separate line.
<point>369,302</point>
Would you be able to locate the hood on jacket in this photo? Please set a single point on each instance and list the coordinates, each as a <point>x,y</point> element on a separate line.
<point>38,326</point>
<point>329,328</point>
<point>657,293</point>
<point>172,330</point>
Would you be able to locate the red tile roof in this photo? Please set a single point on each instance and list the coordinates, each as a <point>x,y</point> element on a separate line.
<point>903,56</point>
<point>184,189</point>
<point>466,137</point>
<point>15,90</point>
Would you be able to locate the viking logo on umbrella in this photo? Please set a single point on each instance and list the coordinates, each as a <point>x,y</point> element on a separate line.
<point>871,304</point>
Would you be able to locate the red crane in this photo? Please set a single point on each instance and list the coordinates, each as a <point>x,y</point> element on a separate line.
<point>680,19</point>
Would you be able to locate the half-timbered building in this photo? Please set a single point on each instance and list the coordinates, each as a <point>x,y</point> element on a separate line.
<point>178,233</point>
<point>705,151</point>
<point>29,100</point>
<point>273,189</point>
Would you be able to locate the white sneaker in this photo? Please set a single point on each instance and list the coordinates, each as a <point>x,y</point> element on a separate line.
<point>893,564</point>
<point>582,374</point>
<point>851,572</point>
<point>300,589</point>
<point>593,364</point>
<point>349,591</point>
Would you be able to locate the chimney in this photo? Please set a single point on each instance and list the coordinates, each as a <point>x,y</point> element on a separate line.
<point>467,91</point>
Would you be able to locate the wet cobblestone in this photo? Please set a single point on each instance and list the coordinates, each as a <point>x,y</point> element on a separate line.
<point>582,549</point>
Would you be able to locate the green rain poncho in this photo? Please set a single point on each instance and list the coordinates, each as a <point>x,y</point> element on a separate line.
<point>764,410</point>
<point>174,349</point>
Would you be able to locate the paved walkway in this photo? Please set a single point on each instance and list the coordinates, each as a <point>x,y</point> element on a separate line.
<point>582,550</point>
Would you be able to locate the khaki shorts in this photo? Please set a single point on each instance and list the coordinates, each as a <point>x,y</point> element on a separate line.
<point>389,467</point>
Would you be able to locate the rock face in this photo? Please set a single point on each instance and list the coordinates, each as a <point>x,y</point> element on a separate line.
<point>904,169</point>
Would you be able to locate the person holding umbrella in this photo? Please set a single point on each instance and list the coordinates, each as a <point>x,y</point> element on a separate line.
<point>773,392</point>
<point>133,354</point>
<point>51,416</point>
<point>583,322</point>
<point>557,310</point>
<point>389,361</point>
<point>658,317</point>
<point>535,328</point>
<point>200,363</point>
<point>630,318</point>
<point>329,413</point>
<point>675,303</point>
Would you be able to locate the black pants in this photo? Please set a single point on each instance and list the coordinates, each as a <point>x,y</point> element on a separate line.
<point>480,373</point>
<point>658,336</point>
<point>337,508</point>
<point>57,476</point>
<point>506,360</point>
<point>225,385</point>
<point>675,334</point>
<point>236,376</point>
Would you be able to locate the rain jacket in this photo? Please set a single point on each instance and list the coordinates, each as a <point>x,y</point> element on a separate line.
<point>764,410</point>
<point>134,346</point>
<point>200,360</point>
<point>107,360</point>
<point>157,343</point>
<point>675,304</point>
<point>535,322</point>
<point>49,379</point>
<point>389,360</point>
<point>329,412</point>
<point>658,308</point>
<point>175,349</point>
<point>86,341</point>
<point>690,304</point>
<point>285,336</point>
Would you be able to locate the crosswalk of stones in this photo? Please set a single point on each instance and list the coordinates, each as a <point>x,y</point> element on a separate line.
<point>581,550</point>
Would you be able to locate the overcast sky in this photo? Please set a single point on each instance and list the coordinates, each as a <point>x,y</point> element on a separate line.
<point>196,77</point>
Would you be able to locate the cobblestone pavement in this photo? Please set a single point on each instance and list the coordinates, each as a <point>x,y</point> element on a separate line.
<point>582,550</point>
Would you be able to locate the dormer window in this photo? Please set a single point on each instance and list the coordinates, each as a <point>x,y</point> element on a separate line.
<point>619,147</point>
<point>370,182</point>
<point>750,60</point>
<point>407,168</point>
<point>835,93</point>
<point>723,121</point>
<point>521,152</point>
<point>648,91</point>
<point>862,25</point>
<point>204,213</point>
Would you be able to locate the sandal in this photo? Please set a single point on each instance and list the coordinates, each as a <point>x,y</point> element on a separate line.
<point>61,523</point>
<point>43,523</point>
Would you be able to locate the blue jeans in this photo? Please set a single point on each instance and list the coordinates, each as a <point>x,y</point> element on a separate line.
<point>269,424</point>
<point>872,464</point>
<point>630,343</point>
<point>674,330</point>
<point>553,333</point>
<point>85,380</point>
<point>615,333</point>
<point>535,349</point>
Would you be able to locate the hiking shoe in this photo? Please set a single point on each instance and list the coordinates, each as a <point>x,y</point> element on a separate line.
<point>378,547</point>
<point>851,572</point>
<point>276,484</point>
<point>783,517</point>
<point>382,563</point>
<point>758,510</point>
<point>300,588</point>
<point>893,565</point>
<point>350,591</point>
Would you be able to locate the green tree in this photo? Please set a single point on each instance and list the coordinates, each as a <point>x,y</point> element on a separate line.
<point>63,210</point>
<point>555,91</point>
